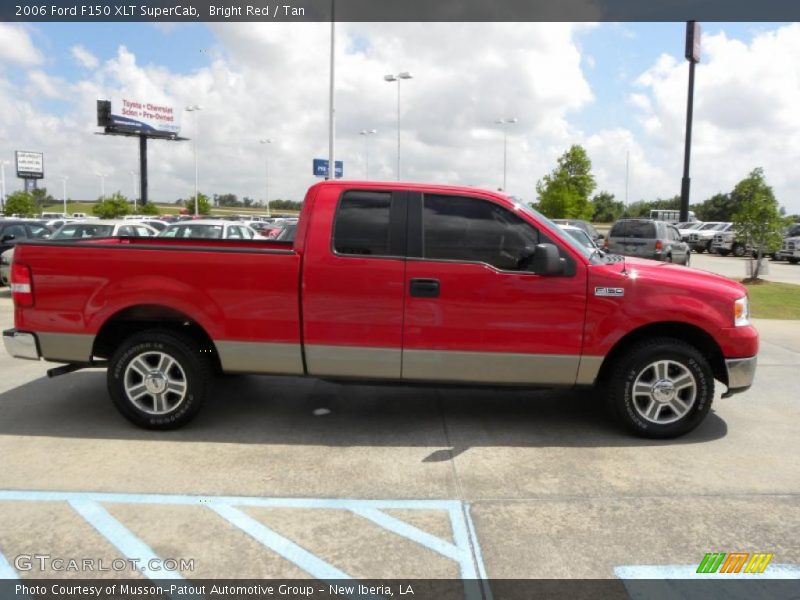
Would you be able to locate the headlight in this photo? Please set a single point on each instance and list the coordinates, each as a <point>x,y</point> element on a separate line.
<point>741,312</point>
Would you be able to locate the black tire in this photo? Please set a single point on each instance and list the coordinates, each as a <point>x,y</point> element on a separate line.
<point>723,252</point>
<point>638,364</point>
<point>793,261</point>
<point>739,250</point>
<point>189,374</point>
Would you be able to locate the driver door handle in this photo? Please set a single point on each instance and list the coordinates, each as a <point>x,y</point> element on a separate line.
<point>424,288</point>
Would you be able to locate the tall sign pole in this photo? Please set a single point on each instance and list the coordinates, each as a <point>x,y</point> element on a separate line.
<point>692,54</point>
<point>331,100</point>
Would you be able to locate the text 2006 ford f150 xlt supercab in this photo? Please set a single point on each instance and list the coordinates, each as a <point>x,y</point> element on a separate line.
<point>398,282</point>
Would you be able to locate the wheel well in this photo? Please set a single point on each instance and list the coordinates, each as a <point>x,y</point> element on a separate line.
<point>680,331</point>
<point>134,319</point>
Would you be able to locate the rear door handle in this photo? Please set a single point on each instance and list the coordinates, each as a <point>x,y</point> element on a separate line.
<point>425,288</point>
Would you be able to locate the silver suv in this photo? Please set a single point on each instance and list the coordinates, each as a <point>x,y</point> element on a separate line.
<point>645,238</point>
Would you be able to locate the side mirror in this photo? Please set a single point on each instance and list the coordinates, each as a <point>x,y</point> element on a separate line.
<point>544,260</point>
<point>8,238</point>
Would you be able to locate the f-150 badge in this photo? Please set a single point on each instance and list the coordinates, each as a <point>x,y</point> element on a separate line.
<point>607,291</point>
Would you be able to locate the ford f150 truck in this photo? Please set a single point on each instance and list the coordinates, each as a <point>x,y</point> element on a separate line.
<point>386,282</point>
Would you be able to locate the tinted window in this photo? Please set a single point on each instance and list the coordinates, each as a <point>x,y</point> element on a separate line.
<point>18,231</point>
<point>469,229</point>
<point>362,224</point>
<point>641,230</point>
<point>619,229</point>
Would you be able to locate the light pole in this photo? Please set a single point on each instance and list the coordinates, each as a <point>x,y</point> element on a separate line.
<point>366,133</point>
<point>505,123</point>
<point>133,183</point>
<point>102,177</point>
<point>266,142</point>
<point>64,192</point>
<point>397,78</point>
<point>194,108</point>
<point>3,164</point>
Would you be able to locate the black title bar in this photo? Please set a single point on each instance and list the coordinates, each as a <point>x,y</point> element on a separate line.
<point>398,10</point>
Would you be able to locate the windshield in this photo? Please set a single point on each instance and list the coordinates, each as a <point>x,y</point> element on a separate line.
<point>562,235</point>
<point>707,226</point>
<point>193,230</point>
<point>78,231</point>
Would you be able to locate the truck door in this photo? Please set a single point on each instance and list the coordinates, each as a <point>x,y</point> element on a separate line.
<point>353,284</point>
<point>471,314</point>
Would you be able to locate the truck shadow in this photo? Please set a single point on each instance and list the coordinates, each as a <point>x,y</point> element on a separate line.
<point>284,410</point>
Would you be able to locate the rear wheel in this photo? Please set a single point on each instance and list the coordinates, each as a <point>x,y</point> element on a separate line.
<point>661,388</point>
<point>739,250</point>
<point>158,379</point>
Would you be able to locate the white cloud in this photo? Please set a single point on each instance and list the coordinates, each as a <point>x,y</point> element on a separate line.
<point>16,46</point>
<point>745,114</point>
<point>83,57</point>
<point>271,80</point>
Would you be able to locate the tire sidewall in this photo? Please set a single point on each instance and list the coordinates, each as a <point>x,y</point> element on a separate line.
<point>194,383</point>
<point>632,368</point>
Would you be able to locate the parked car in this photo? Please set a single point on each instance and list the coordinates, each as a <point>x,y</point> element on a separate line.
<point>400,282</point>
<point>287,233</point>
<point>701,239</point>
<point>210,229</point>
<point>687,227</point>
<point>6,258</point>
<point>580,236</point>
<point>16,230</point>
<point>790,248</point>
<point>585,225</point>
<point>80,230</point>
<point>645,238</point>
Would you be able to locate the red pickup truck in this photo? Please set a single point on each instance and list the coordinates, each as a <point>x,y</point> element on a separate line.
<point>386,281</point>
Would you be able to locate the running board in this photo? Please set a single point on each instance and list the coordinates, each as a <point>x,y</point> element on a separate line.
<point>72,367</point>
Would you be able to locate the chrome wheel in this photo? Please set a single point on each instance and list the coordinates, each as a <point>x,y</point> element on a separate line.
<point>155,383</point>
<point>664,392</point>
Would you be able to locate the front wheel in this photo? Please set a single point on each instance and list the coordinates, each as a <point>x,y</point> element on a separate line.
<point>739,250</point>
<point>661,388</point>
<point>158,379</point>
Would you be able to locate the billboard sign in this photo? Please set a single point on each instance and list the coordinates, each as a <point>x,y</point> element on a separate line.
<point>138,115</point>
<point>30,165</point>
<point>321,168</point>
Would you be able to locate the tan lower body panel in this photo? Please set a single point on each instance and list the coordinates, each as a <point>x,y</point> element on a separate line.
<point>353,361</point>
<point>589,368</point>
<point>259,357</point>
<point>490,367</point>
<point>66,347</point>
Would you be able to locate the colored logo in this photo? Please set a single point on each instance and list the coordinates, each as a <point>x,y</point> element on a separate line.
<point>735,562</point>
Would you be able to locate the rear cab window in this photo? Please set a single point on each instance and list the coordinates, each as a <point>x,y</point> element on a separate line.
<point>362,224</point>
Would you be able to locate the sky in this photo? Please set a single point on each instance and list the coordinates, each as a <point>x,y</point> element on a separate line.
<point>618,89</point>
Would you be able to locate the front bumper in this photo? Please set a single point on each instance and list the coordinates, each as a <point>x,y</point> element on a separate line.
<point>21,344</point>
<point>741,372</point>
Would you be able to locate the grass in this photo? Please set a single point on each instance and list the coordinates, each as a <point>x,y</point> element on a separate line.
<point>771,300</point>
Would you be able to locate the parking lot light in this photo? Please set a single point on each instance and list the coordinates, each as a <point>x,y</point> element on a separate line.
<point>391,79</point>
<point>64,192</point>
<point>266,142</point>
<point>195,108</point>
<point>366,133</point>
<point>505,123</point>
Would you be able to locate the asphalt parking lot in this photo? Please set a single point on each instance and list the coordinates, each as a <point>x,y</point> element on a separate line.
<point>394,482</point>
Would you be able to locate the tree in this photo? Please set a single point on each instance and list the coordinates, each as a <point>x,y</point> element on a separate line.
<point>564,193</point>
<point>204,205</point>
<point>148,209</point>
<point>606,209</point>
<point>720,207</point>
<point>41,198</point>
<point>757,221</point>
<point>20,203</point>
<point>112,207</point>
